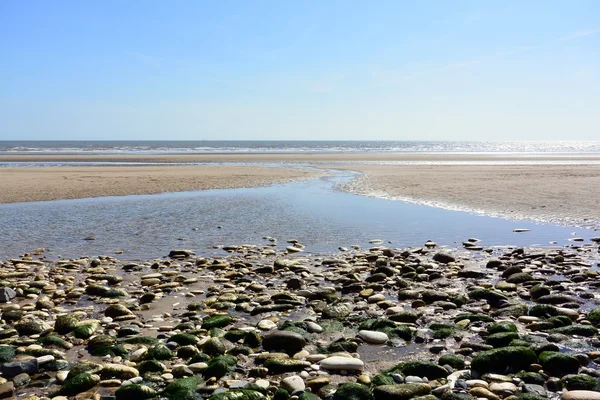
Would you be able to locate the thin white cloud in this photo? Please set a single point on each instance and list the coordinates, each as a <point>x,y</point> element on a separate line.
<point>578,34</point>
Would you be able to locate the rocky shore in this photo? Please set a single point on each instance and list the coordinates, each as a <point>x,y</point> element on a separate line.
<point>273,323</point>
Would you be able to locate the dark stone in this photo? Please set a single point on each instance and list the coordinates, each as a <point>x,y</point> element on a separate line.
<point>18,367</point>
<point>287,341</point>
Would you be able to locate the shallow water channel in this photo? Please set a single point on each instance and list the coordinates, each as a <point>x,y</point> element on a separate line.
<point>311,211</point>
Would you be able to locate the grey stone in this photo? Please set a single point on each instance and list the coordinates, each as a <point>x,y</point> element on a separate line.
<point>7,294</point>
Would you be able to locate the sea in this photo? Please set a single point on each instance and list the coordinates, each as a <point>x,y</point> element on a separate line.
<point>299,147</point>
<point>313,212</point>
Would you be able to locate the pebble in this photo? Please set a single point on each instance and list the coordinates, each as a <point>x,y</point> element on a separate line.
<point>341,363</point>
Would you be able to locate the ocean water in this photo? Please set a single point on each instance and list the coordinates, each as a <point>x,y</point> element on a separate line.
<point>265,146</point>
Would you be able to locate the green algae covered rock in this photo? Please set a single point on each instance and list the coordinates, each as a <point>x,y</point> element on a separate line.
<point>78,384</point>
<point>406,316</point>
<point>26,328</point>
<point>594,316</point>
<point>382,379</point>
<point>86,330</point>
<point>90,368</point>
<point>452,360</point>
<point>420,368</point>
<point>538,291</point>
<point>501,339</point>
<point>238,394</point>
<point>503,360</point>
<point>182,389</point>
<point>220,366</point>
<point>579,330</point>
<point>404,391</point>
<point>352,391</point>
<point>101,345</point>
<point>543,311</point>
<point>7,353</point>
<point>558,364</point>
<point>217,321</point>
<point>145,340</point>
<point>581,382</point>
<point>282,365</point>
<point>503,326</point>
<point>150,366</point>
<point>65,323</point>
<point>184,339</point>
<point>159,352</point>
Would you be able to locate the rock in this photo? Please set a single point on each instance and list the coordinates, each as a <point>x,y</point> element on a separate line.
<point>503,360</point>
<point>352,391</point>
<point>581,395</point>
<point>581,382</point>
<point>282,365</point>
<point>159,352</point>
<point>21,380</point>
<point>18,367</point>
<point>373,337</point>
<point>452,360</point>
<point>403,391</point>
<point>503,389</point>
<point>119,371</point>
<point>293,384</point>
<point>182,253</point>
<point>481,392</point>
<point>342,363</point>
<point>7,294</point>
<point>7,390</point>
<point>7,353</point>
<point>26,328</point>
<point>65,323</point>
<point>290,342</point>
<point>101,345</point>
<point>216,321</point>
<point>219,366</point>
<point>338,311</point>
<point>558,364</point>
<point>135,392</point>
<point>78,384</point>
<point>580,330</point>
<point>117,310</point>
<point>426,369</point>
<point>85,330</point>
<point>184,389</point>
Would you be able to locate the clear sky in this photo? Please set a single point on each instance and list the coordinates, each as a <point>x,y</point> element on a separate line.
<point>323,69</point>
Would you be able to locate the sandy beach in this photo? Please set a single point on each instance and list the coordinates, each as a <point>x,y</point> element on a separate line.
<point>54,183</point>
<point>559,193</point>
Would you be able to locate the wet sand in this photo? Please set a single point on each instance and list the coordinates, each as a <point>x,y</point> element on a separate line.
<point>554,193</point>
<point>54,183</point>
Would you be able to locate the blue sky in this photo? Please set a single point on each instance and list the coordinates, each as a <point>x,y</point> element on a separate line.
<point>395,70</point>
